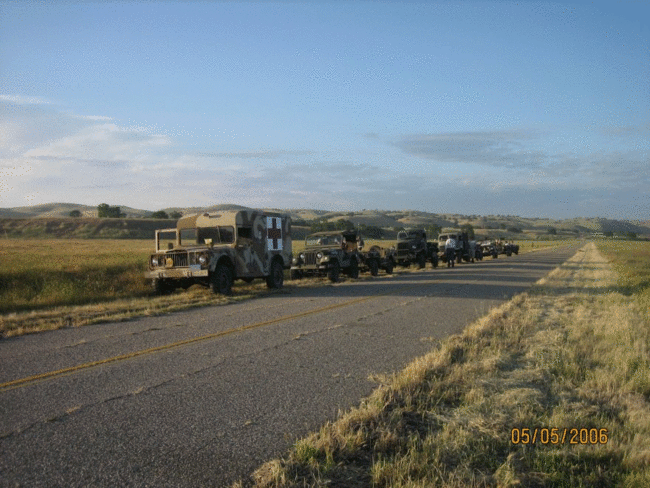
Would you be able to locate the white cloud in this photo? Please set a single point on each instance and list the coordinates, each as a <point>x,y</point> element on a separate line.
<point>92,117</point>
<point>23,100</point>
<point>48,156</point>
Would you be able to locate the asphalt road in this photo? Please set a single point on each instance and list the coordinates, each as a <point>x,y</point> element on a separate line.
<point>203,397</point>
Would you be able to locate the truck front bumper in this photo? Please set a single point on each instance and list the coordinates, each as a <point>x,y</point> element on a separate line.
<point>176,273</point>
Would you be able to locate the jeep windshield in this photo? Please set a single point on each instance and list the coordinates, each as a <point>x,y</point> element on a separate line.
<point>404,235</point>
<point>323,240</point>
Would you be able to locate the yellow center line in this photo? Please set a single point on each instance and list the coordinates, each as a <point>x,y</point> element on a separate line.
<point>10,385</point>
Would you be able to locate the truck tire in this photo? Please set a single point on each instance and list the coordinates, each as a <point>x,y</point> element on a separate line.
<point>221,280</point>
<point>275,279</point>
<point>334,271</point>
<point>422,261</point>
<point>434,261</point>
<point>353,272</point>
<point>389,267</point>
<point>374,267</point>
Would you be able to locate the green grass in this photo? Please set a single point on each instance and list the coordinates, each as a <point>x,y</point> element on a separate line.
<point>631,259</point>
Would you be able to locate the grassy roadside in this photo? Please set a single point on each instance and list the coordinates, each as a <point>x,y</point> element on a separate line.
<point>53,283</point>
<point>573,352</point>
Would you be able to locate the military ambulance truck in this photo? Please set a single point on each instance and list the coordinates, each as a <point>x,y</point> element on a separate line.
<point>214,249</point>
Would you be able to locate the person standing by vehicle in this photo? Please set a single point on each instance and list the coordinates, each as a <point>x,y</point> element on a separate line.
<point>450,251</point>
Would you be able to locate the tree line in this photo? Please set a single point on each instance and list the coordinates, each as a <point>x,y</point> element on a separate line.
<point>106,211</point>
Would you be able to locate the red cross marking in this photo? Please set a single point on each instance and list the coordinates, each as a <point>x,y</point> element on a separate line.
<point>274,232</point>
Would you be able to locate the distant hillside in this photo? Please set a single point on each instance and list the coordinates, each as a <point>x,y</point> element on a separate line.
<point>82,228</point>
<point>48,210</point>
<point>52,220</point>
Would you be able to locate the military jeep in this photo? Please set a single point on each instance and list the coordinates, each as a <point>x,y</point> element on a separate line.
<point>376,258</point>
<point>511,248</point>
<point>412,247</point>
<point>490,248</point>
<point>215,249</point>
<point>328,254</point>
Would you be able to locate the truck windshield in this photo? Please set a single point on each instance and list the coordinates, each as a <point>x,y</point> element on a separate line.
<point>403,235</point>
<point>166,240</point>
<point>197,237</point>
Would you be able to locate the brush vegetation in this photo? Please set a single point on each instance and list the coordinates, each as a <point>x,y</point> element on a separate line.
<point>573,352</point>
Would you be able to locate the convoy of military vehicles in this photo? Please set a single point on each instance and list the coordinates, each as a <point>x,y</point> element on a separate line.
<point>215,249</point>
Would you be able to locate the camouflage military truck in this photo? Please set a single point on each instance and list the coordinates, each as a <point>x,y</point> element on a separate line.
<point>376,258</point>
<point>328,254</point>
<point>412,247</point>
<point>463,247</point>
<point>216,249</point>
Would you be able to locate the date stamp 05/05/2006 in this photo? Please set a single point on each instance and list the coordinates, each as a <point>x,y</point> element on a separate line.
<point>558,436</point>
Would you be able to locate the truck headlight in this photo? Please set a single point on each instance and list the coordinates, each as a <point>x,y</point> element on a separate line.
<point>301,256</point>
<point>154,261</point>
<point>319,255</point>
<point>203,259</point>
<point>414,246</point>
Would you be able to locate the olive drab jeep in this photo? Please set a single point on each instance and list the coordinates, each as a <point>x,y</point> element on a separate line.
<point>216,249</point>
<point>412,247</point>
<point>376,258</point>
<point>328,254</point>
<point>511,248</point>
<point>490,248</point>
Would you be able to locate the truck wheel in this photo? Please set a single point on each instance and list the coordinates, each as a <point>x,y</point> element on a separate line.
<point>374,267</point>
<point>275,279</point>
<point>161,286</point>
<point>495,255</point>
<point>221,280</point>
<point>434,261</point>
<point>334,271</point>
<point>354,269</point>
<point>422,261</point>
<point>389,267</point>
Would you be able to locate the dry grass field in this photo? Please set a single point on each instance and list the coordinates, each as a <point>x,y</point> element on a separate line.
<point>38,274</point>
<point>550,389</point>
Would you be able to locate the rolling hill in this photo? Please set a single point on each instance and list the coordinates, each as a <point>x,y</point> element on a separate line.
<point>53,220</point>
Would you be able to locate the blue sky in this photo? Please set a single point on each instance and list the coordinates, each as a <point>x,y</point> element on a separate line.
<point>523,108</point>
